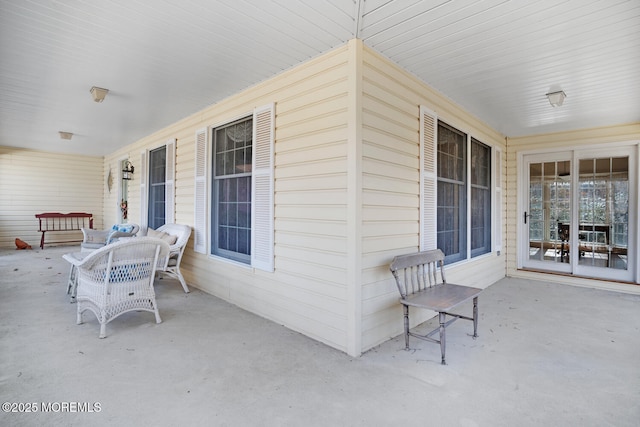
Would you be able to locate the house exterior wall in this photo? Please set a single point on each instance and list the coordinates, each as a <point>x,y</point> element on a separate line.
<point>346,196</point>
<point>606,137</point>
<point>391,190</point>
<point>307,291</point>
<point>33,182</point>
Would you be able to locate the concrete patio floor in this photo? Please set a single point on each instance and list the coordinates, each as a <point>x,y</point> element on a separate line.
<point>547,355</point>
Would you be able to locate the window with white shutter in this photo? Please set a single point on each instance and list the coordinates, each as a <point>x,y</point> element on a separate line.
<point>241,190</point>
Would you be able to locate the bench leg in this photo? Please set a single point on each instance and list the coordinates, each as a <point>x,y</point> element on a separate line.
<point>475,317</point>
<point>443,340</point>
<point>406,327</point>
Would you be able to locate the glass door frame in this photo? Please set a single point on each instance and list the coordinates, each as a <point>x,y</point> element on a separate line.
<point>632,273</point>
<point>524,260</point>
<point>582,270</point>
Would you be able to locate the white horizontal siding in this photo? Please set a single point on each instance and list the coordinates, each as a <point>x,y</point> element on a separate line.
<point>33,182</point>
<point>318,119</point>
<point>390,184</point>
<point>391,191</point>
<point>306,292</point>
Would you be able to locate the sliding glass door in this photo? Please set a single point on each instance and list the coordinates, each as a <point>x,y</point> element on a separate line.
<point>578,213</point>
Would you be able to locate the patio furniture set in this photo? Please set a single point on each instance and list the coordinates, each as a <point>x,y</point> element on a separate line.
<point>115,271</point>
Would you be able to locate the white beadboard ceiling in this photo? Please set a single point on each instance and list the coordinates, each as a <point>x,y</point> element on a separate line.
<point>163,60</point>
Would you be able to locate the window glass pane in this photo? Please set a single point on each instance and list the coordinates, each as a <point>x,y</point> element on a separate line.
<point>603,212</point>
<point>231,236</point>
<point>452,193</point>
<point>451,153</point>
<point>448,225</point>
<point>480,198</point>
<point>157,174</point>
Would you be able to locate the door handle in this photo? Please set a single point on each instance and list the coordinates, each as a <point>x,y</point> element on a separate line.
<point>525,217</point>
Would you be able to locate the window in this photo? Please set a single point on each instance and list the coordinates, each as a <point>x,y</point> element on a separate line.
<point>234,218</point>
<point>231,190</point>
<point>157,185</point>
<point>463,173</point>
<point>157,178</point>
<point>480,198</point>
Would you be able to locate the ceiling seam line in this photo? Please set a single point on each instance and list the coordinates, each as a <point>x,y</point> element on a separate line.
<point>358,23</point>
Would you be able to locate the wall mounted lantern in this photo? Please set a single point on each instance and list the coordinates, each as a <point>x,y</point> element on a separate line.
<point>127,172</point>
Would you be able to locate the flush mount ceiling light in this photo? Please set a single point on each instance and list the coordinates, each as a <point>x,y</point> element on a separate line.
<point>556,98</point>
<point>65,135</point>
<point>98,93</point>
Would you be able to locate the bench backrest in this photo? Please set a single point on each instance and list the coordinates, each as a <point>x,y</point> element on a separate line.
<point>418,271</point>
<point>56,221</point>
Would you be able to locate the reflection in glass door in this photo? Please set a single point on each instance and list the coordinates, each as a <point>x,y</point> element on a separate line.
<point>603,213</point>
<point>549,213</point>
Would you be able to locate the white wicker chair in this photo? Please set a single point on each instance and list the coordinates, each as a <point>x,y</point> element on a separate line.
<point>172,265</point>
<point>119,278</point>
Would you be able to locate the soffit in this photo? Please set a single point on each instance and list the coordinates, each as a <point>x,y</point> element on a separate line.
<point>163,61</point>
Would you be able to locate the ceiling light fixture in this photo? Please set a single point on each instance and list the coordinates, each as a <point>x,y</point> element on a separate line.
<point>98,93</point>
<point>65,135</point>
<point>556,98</point>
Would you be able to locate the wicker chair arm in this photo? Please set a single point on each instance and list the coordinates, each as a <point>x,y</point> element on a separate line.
<point>97,236</point>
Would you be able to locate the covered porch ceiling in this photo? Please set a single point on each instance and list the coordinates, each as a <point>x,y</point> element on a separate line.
<point>163,61</point>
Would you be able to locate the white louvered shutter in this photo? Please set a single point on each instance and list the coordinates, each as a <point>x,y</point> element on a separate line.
<point>200,192</point>
<point>428,179</point>
<point>144,195</point>
<point>169,182</point>
<point>262,239</point>
<point>497,211</point>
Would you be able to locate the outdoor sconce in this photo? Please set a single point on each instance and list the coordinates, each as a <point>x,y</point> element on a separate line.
<point>127,172</point>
